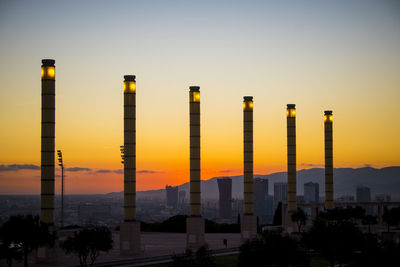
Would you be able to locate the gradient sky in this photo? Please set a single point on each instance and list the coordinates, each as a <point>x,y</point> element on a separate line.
<point>339,55</point>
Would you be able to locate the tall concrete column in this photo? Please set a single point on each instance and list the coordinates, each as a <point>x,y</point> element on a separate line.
<point>291,157</point>
<point>195,224</point>
<point>130,228</point>
<point>48,141</point>
<point>47,254</point>
<point>249,221</point>
<point>328,121</point>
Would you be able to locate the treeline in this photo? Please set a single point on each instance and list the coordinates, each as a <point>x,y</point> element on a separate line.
<point>177,224</point>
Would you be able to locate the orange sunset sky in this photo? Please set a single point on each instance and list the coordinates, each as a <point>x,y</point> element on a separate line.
<point>339,55</point>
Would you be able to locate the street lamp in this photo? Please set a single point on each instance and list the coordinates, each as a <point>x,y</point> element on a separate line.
<point>61,164</point>
<point>122,149</point>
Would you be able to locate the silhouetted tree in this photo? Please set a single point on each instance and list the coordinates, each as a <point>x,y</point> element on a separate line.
<point>391,217</point>
<point>272,249</point>
<point>300,218</point>
<point>335,240</point>
<point>278,215</point>
<point>369,220</point>
<point>24,234</point>
<point>88,243</point>
<point>10,252</point>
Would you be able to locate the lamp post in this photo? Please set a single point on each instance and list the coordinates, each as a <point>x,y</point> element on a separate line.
<point>195,223</point>
<point>249,221</point>
<point>291,156</point>
<point>328,123</point>
<point>130,228</point>
<point>61,164</point>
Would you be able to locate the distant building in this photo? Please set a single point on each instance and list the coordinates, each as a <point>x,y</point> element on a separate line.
<point>225,197</point>
<point>311,192</point>
<point>172,196</point>
<point>260,192</point>
<point>383,198</point>
<point>363,194</point>
<point>93,213</point>
<point>269,201</point>
<point>182,197</point>
<point>280,193</point>
<point>345,198</point>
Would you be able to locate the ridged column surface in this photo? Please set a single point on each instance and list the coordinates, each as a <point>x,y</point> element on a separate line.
<point>48,142</point>
<point>129,148</point>
<point>328,122</point>
<point>195,179</point>
<point>291,157</point>
<point>248,187</point>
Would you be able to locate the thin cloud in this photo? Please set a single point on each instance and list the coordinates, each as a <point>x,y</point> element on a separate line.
<point>17,167</point>
<point>311,165</point>
<point>146,171</point>
<point>78,169</point>
<point>119,171</point>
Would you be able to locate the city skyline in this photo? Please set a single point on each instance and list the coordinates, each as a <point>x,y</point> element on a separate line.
<point>288,63</point>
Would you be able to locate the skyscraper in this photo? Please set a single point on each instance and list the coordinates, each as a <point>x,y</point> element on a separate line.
<point>363,194</point>
<point>311,192</point>
<point>280,193</point>
<point>225,197</point>
<point>260,192</point>
<point>172,196</point>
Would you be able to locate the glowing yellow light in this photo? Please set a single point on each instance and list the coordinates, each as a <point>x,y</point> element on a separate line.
<point>291,113</point>
<point>328,118</point>
<point>42,72</point>
<point>196,96</point>
<point>132,86</point>
<point>51,72</point>
<point>244,105</point>
<point>251,105</point>
<point>129,87</point>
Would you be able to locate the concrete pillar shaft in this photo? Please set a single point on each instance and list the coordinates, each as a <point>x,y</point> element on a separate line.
<point>47,142</point>
<point>248,192</point>
<point>195,174</point>
<point>291,158</point>
<point>130,149</point>
<point>328,160</point>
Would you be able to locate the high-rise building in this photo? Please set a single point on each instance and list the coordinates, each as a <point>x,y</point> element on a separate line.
<point>260,192</point>
<point>225,197</point>
<point>383,198</point>
<point>311,192</point>
<point>280,193</point>
<point>172,196</point>
<point>363,194</point>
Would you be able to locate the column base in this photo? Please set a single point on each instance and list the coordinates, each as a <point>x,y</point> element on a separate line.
<point>248,227</point>
<point>46,255</point>
<point>195,233</point>
<point>129,238</point>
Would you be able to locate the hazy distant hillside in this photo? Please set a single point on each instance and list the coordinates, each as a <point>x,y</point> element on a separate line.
<point>385,180</point>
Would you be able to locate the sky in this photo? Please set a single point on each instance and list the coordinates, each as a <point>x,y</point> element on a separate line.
<point>320,55</point>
